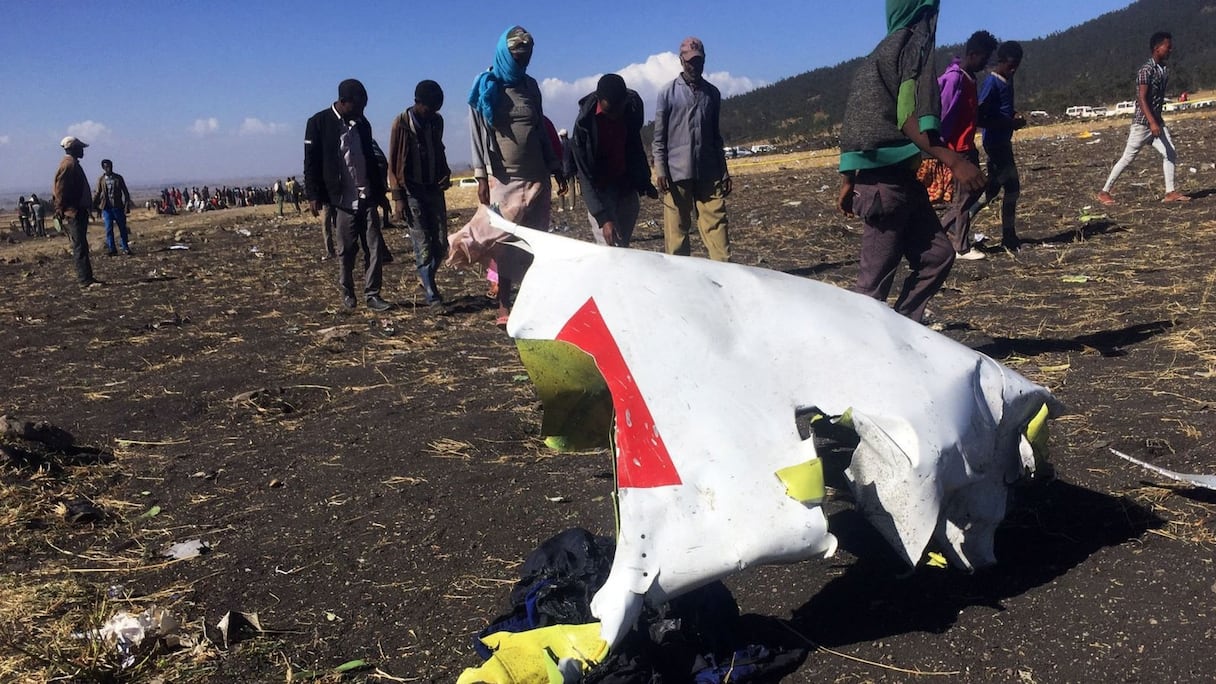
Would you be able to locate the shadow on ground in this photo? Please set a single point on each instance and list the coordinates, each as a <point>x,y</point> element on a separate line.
<point>1052,528</point>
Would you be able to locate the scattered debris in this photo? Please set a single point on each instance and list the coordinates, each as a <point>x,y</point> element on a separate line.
<point>128,632</point>
<point>186,550</point>
<point>244,231</point>
<point>235,626</point>
<point>43,432</point>
<point>1204,481</point>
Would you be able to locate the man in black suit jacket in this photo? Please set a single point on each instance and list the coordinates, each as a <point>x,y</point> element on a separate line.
<point>340,171</point>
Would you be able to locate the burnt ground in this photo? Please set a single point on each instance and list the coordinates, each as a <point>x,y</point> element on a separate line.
<point>369,484</point>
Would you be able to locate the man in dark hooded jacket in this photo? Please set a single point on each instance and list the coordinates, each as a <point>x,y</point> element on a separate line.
<point>610,161</point>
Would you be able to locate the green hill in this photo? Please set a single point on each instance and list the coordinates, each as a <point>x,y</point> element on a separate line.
<point>1090,64</point>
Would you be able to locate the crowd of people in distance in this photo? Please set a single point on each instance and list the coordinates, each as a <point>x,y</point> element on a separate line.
<point>32,213</point>
<point>174,200</point>
<point>908,139</point>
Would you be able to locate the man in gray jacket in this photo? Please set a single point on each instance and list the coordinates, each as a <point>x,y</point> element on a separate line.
<point>689,157</point>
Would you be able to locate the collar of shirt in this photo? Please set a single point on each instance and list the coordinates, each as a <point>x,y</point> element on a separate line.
<point>348,123</point>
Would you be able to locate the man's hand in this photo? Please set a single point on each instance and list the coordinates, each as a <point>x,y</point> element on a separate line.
<point>967,176</point>
<point>650,191</point>
<point>483,191</point>
<point>561,183</point>
<point>845,202</point>
<point>726,185</point>
<point>1154,128</point>
<point>663,185</point>
<point>314,207</point>
<point>608,228</point>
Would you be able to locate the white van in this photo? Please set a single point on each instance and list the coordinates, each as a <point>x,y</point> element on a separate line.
<point>1079,111</point>
<point>1125,107</point>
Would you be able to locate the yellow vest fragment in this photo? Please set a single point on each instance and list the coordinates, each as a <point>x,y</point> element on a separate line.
<point>531,657</point>
<point>804,482</point>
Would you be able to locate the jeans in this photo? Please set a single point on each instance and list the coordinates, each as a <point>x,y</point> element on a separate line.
<point>111,216</point>
<point>429,235</point>
<point>1139,135</point>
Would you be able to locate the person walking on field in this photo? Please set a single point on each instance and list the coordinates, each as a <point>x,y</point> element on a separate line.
<point>999,118</point>
<point>418,176</point>
<point>610,160</point>
<point>960,106</point>
<point>340,172</point>
<point>892,115</point>
<point>1147,124</point>
<point>689,158</point>
<point>113,201</point>
<point>72,201</point>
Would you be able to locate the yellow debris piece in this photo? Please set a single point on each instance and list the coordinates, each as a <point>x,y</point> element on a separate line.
<point>936,560</point>
<point>1036,432</point>
<point>804,482</point>
<point>532,657</point>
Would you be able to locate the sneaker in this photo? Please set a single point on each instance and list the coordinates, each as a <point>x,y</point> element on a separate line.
<point>89,284</point>
<point>971,255</point>
<point>111,252</point>
<point>348,302</point>
<point>126,251</point>
<point>376,304</point>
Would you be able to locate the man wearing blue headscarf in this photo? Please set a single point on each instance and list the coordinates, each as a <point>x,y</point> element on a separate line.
<point>513,156</point>
<point>892,116</point>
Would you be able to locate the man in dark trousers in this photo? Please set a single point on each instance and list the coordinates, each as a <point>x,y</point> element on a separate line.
<point>340,172</point>
<point>72,201</point>
<point>113,200</point>
<point>418,176</point>
<point>610,160</point>
<point>893,114</point>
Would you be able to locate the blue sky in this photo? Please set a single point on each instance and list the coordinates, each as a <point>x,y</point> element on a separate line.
<point>220,90</point>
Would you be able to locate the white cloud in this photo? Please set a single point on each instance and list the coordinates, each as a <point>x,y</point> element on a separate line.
<point>4,139</point>
<point>561,97</point>
<point>89,131</point>
<point>254,126</point>
<point>204,126</point>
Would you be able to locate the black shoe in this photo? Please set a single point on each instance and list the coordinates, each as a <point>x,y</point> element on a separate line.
<point>90,283</point>
<point>376,304</point>
<point>348,302</point>
<point>111,252</point>
<point>126,251</point>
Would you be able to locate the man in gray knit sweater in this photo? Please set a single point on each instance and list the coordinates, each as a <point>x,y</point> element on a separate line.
<point>881,141</point>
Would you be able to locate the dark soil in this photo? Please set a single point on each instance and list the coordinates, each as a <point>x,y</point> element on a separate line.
<point>369,483</point>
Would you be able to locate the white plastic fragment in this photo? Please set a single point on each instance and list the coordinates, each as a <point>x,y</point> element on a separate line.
<point>127,631</point>
<point>186,550</point>
<point>1205,481</point>
<point>708,363</point>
